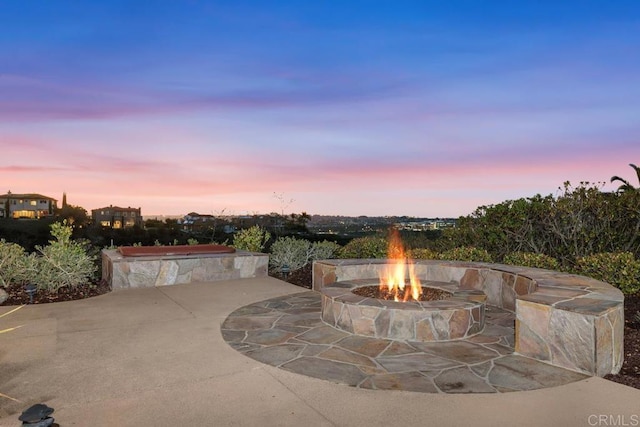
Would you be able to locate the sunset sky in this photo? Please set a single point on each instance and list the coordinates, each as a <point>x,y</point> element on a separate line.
<point>420,108</point>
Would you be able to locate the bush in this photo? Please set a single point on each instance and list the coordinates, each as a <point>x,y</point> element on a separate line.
<point>324,250</point>
<point>13,266</point>
<point>291,252</point>
<point>578,222</point>
<point>620,269</point>
<point>365,247</point>
<point>423,253</point>
<point>251,239</point>
<point>466,253</point>
<point>530,259</point>
<point>61,263</point>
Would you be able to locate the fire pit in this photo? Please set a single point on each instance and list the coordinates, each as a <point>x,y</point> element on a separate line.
<point>398,306</point>
<point>461,315</point>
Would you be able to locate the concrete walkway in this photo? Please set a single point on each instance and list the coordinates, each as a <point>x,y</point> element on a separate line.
<point>156,357</point>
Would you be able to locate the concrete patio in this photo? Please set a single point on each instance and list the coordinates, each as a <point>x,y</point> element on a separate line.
<point>156,356</point>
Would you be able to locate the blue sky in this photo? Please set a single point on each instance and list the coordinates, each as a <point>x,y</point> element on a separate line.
<point>355,108</point>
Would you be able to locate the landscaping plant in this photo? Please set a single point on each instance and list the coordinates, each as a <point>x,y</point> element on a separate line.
<point>324,250</point>
<point>290,252</point>
<point>63,262</point>
<point>365,247</point>
<point>13,263</point>
<point>423,253</point>
<point>252,239</point>
<point>620,269</point>
<point>530,259</point>
<point>466,253</point>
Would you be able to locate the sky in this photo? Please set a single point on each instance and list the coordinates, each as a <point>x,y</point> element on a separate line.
<point>419,108</point>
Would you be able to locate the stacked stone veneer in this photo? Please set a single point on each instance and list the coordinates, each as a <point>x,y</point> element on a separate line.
<point>123,272</point>
<point>460,316</point>
<point>566,320</point>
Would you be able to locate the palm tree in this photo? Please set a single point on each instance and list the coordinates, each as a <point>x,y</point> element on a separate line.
<point>626,186</point>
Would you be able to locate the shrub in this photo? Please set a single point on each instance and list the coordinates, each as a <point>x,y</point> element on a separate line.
<point>467,253</point>
<point>620,269</point>
<point>62,262</point>
<point>291,252</point>
<point>251,239</point>
<point>324,250</point>
<point>13,267</point>
<point>423,253</point>
<point>365,247</point>
<point>530,259</point>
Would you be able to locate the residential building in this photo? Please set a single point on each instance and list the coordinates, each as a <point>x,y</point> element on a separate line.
<point>31,205</point>
<point>117,217</point>
<point>194,221</point>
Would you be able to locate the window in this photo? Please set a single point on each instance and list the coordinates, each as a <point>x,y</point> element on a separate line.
<point>24,214</point>
<point>33,202</point>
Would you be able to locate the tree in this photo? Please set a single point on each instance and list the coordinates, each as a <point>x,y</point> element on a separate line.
<point>75,216</point>
<point>626,186</point>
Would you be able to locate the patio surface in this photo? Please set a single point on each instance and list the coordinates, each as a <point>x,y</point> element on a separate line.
<point>157,356</point>
<point>288,332</point>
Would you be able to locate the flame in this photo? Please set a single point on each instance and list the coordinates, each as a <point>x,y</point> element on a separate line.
<point>394,277</point>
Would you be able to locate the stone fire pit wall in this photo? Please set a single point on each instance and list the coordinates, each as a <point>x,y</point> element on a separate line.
<point>566,320</point>
<point>123,272</point>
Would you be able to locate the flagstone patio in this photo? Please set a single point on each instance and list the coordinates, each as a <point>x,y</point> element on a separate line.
<point>287,332</point>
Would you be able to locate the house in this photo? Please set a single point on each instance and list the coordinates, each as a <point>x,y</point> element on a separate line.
<point>194,221</point>
<point>117,217</point>
<point>32,205</point>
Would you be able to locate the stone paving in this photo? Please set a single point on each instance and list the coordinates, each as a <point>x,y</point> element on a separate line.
<point>287,332</point>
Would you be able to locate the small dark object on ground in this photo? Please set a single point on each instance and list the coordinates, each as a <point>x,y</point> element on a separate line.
<point>37,416</point>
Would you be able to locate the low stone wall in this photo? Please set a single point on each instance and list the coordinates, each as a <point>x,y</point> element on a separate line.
<point>123,272</point>
<point>566,320</point>
<point>460,316</point>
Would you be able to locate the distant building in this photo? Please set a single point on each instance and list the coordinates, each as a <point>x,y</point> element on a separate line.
<point>194,221</point>
<point>31,206</point>
<point>117,217</point>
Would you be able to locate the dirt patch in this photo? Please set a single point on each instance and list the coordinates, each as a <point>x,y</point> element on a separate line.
<point>19,296</point>
<point>630,372</point>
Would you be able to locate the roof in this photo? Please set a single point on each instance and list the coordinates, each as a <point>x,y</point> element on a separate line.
<point>25,196</point>
<point>116,209</point>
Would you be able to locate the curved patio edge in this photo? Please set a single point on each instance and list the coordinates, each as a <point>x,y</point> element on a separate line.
<point>566,320</point>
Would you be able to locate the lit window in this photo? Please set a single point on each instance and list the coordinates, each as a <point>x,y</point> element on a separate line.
<point>33,202</point>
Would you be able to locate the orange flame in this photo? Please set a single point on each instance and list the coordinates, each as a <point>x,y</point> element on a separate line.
<point>394,277</point>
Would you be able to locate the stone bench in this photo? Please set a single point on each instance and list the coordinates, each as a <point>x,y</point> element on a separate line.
<point>566,320</point>
<point>148,266</point>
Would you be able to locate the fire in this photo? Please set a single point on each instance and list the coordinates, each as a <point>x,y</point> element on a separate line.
<point>399,278</point>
